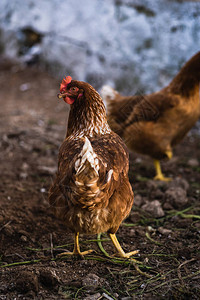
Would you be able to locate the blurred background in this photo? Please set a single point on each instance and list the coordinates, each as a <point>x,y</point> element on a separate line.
<point>133,45</point>
<point>136,46</point>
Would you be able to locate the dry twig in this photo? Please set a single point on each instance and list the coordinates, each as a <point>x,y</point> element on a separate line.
<point>179,271</point>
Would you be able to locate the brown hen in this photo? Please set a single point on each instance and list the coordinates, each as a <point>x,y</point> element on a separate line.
<point>173,112</point>
<point>91,192</point>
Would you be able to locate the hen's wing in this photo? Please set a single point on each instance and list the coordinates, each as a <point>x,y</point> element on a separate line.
<point>150,107</point>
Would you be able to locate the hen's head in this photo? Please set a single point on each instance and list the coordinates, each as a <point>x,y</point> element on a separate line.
<point>70,90</point>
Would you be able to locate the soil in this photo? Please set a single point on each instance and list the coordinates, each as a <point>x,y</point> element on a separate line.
<point>164,223</point>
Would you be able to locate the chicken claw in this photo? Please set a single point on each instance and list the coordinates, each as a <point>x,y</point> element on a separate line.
<point>159,174</point>
<point>119,248</point>
<point>76,250</point>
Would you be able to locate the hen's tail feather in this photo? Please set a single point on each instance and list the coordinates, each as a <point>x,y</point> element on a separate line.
<point>87,171</point>
<point>87,154</point>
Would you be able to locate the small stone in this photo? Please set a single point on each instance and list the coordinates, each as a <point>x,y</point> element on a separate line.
<point>139,231</point>
<point>25,87</point>
<point>23,238</point>
<point>154,208</point>
<point>138,160</point>
<point>44,170</point>
<point>24,233</point>
<point>23,175</point>
<point>48,278</point>
<point>179,182</point>
<point>53,264</point>
<point>151,229</point>
<point>93,297</point>
<point>164,231</point>
<point>132,232</point>
<point>151,185</point>
<point>167,206</point>
<point>26,281</point>
<point>138,201</point>
<point>25,166</point>
<point>154,185</point>
<point>91,280</point>
<point>176,196</point>
<point>134,217</point>
<point>193,162</point>
<point>157,194</point>
<point>8,230</point>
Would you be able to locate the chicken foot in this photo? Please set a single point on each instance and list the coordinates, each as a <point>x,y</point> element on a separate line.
<point>119,248</point>
<point>159,174</point>
<point>76,250</point>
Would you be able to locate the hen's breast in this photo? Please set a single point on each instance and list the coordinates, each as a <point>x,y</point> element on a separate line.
<point>91,193</point>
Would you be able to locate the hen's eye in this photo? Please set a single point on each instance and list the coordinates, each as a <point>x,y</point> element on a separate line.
<point>74,88</point>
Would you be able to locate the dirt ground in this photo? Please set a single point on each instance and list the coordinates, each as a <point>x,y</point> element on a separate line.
<point>164,223</point>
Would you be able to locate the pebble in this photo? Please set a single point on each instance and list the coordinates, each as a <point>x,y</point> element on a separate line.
<point>176,196</point>
<point>26,281</point>
<point>132,232</point>
<point>93,297</point>
<point>167,206</point>
<point>91,280</point>
<point>53,264</point>
<point>23,175</point>
<point>164,231</point>
<point>193,162</point>
<point>25,86</point>
<point>8,230</point>
<point>49,278</point>
<point>179,182</point>
<point>23,238</point>
<point>44,170</point>
<point>138,201</point>
<point>154,208</point>
<point>154,185</point>
<point>157,194</point>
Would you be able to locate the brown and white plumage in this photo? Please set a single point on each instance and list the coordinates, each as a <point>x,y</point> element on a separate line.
<point>174,110</point>
<point>91,192</point>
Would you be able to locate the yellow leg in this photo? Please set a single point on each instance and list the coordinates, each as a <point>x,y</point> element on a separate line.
<point>76,250</point>
<point>119,248</point>
<point>159,174</point>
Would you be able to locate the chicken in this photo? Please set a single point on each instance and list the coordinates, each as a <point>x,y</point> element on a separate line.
<point>175,108</point>
<point>91,193</point>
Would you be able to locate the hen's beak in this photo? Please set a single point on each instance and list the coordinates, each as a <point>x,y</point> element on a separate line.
<point>59,96</point>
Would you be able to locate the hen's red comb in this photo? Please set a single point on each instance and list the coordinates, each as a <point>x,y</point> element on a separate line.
<point>65,82</point>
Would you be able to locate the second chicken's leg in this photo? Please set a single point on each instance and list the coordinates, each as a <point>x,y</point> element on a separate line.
<point>159,174</point>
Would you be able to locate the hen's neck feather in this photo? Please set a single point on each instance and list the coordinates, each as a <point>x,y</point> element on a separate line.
<point>88,116</point>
